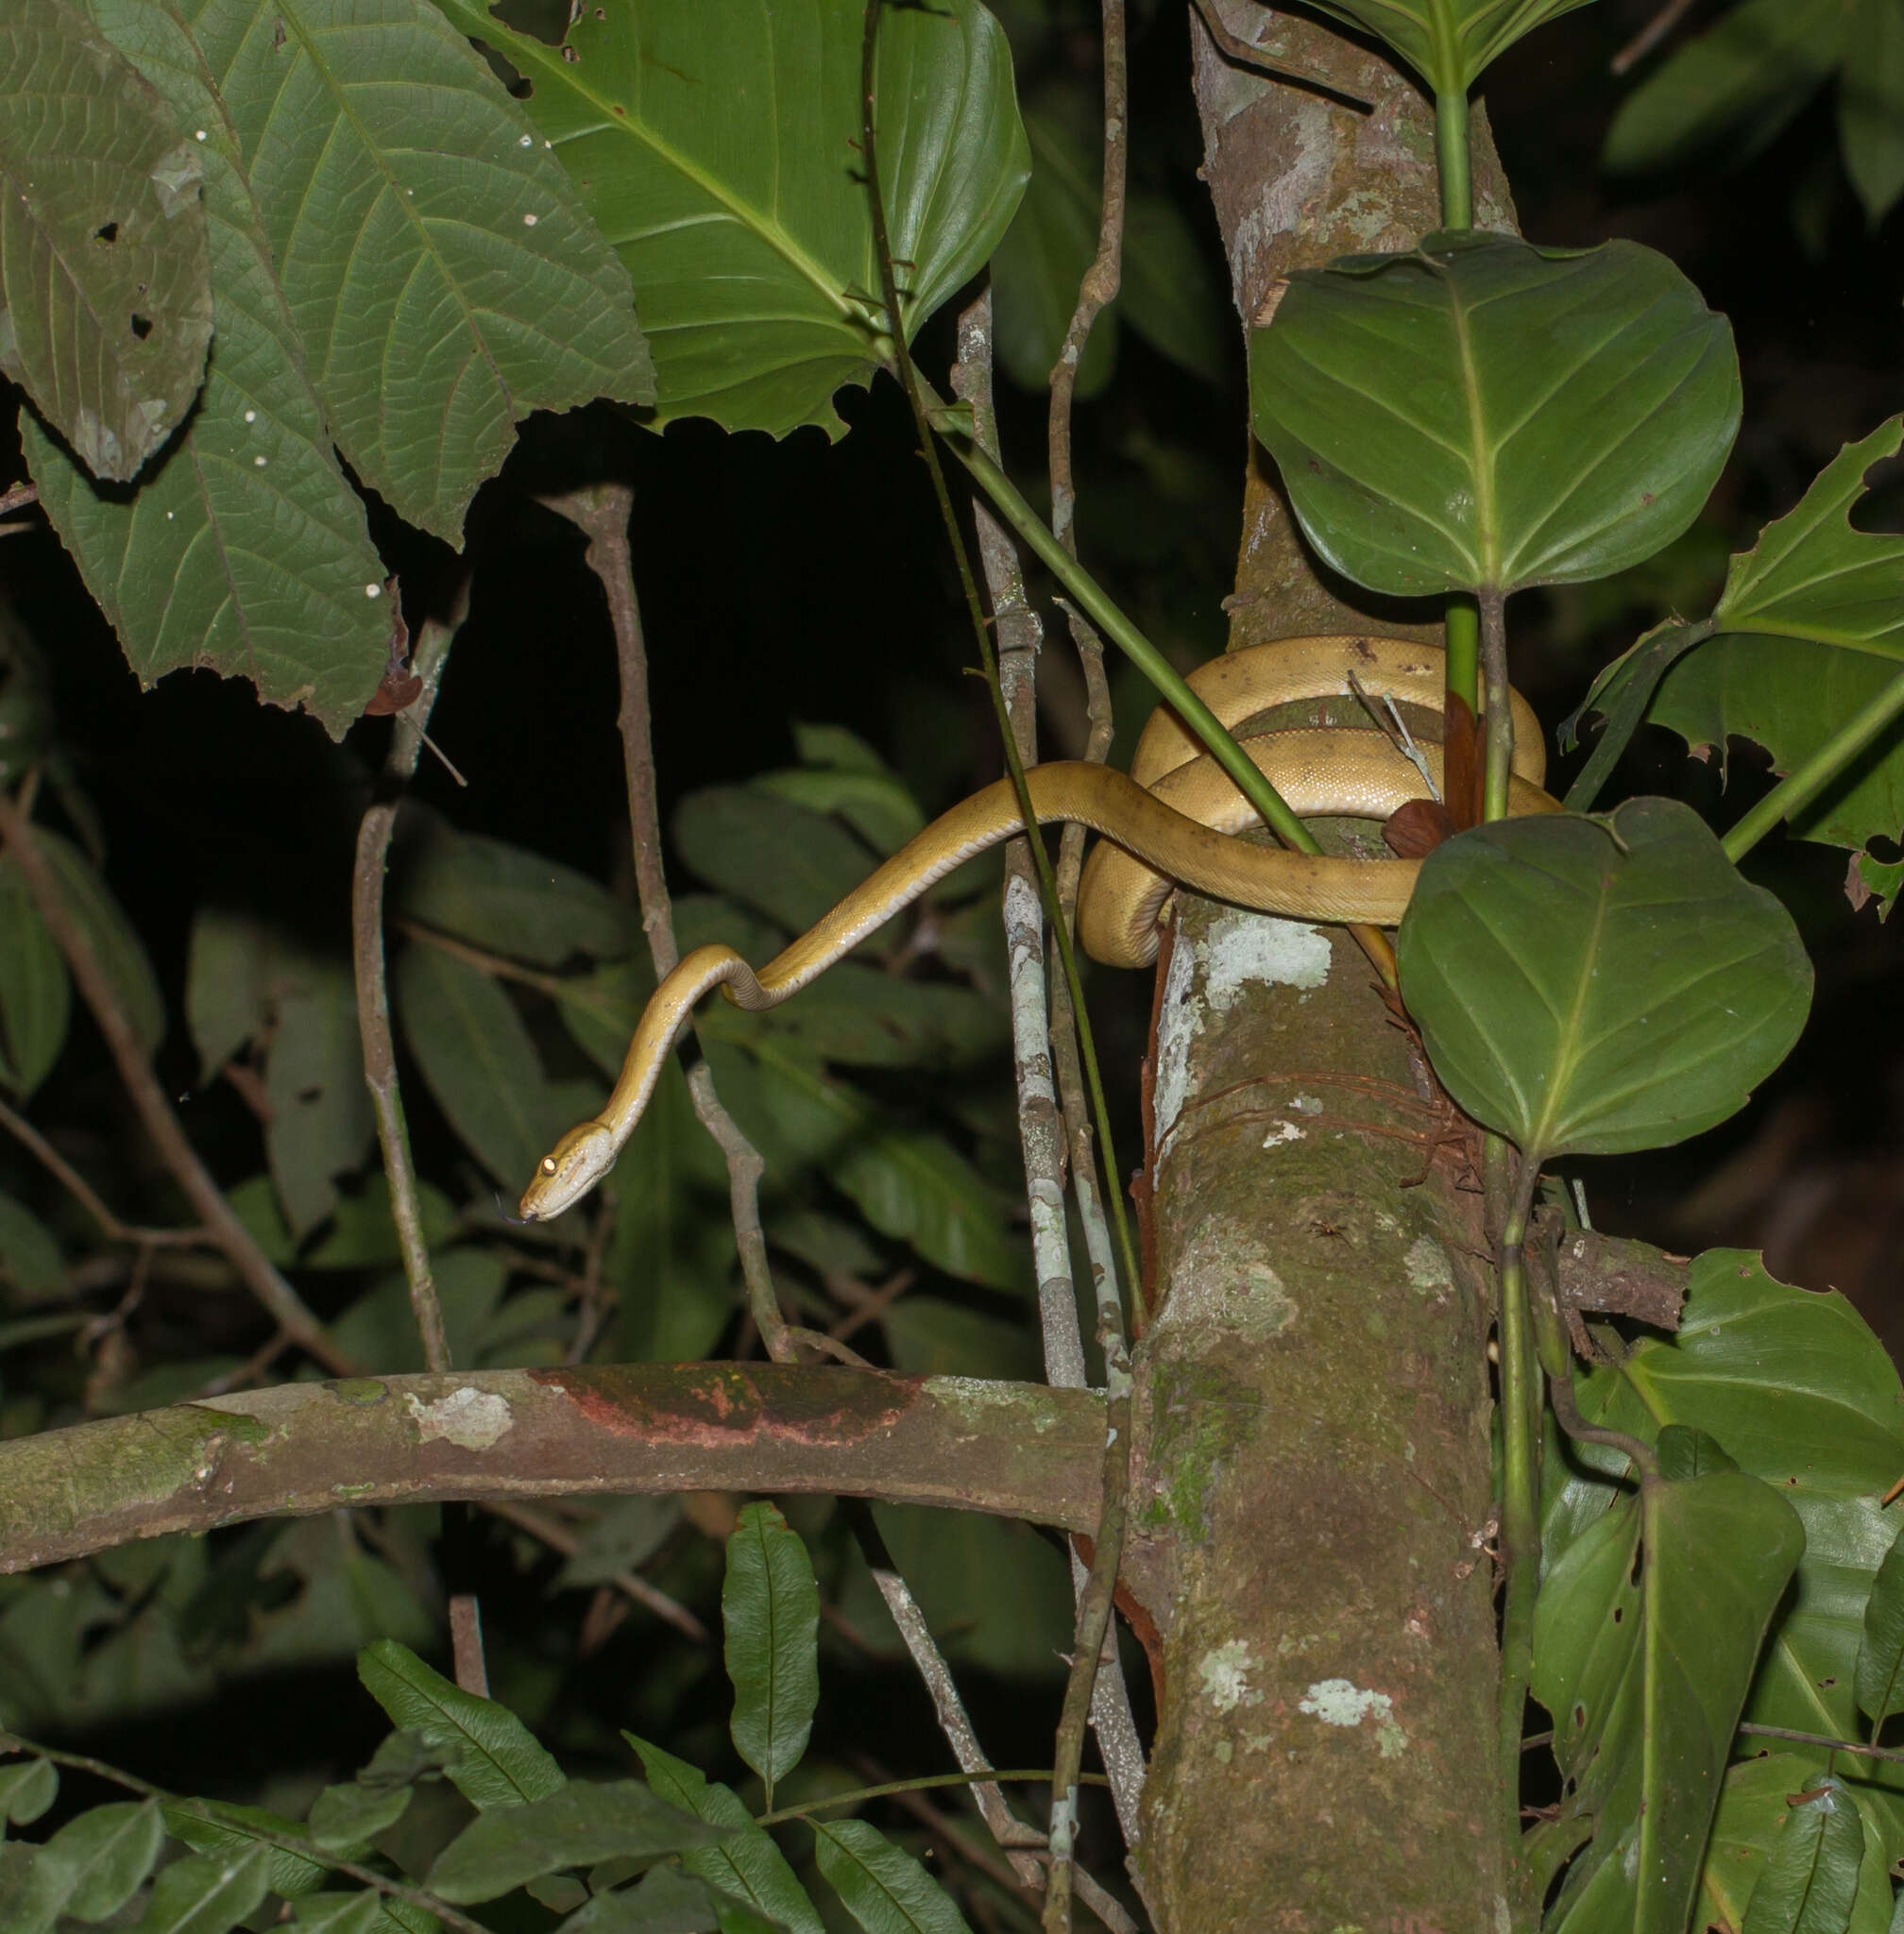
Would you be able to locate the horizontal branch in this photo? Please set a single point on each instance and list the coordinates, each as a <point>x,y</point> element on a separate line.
<point>1011,1450</point>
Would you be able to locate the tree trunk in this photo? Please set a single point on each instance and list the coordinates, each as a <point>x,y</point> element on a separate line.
<point>1311,1518</point>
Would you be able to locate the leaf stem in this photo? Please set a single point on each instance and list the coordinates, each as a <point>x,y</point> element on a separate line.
<point>1452,157</point>
<point>1520,1534</point>
<point>1461,710</point>
<point>1800,787</point>
<point>1497,706</point>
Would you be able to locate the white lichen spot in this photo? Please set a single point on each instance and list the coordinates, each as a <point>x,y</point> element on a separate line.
<point>1225,1674</point>
<point>1177,1025</point>
<point>201,135</point>
<point>471,1419</point>
<point>1245,950</point>
<point>250,416</point>
<point>258,463</point>
<point>1429,1272</point>
<point>1306,1104</point>
<point>1338,1703</point>
<point>373,590</point>
<point>1282,1131</point>
<point>529,221</point>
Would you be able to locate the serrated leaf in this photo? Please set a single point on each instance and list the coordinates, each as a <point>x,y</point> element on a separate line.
<point>481,1065</point>
<point>104,295</point>
<point>27,1788</point>
<point>770,1606</point>
<point>1596,986</point>
<point>746,1864</point>
<point>206,1894</point>
<point>36,996</point>
<point>1729,89</point>
<point>321,1123</point>
<point>245,548</point>
<point>583,1823</point>
<point>1645,1669</point>
<point>1810,1883</point>
<point>1871,105</point>
<point>107,1853</point>
<point>29,1257</point>
<point>109,934</point>
<point>885,1890</point>
<point>1448,42</point>
<point>494,1759</point>
<point>1477,411</point>
<point>714,144</point>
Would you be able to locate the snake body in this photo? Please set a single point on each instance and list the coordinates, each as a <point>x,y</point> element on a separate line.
<point>1173,822</point>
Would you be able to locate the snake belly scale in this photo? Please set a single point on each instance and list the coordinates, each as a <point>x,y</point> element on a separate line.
<point>1172,822</point>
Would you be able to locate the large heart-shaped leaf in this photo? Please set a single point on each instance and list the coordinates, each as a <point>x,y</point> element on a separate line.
<point>1599,985</point>
<point>715,145</point>
<point>105,295</point>
<point>1480,413</point>
<point>1448,42</point>
<point>1645,1669</point>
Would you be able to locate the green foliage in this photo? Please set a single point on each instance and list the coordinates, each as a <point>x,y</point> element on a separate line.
<point>105,284</point>
<point>1588,987</point>
<point>885,1889</point>
<point>1478,413</point>
<point>743,226</point>
<point>36,997</point>
<point>1448,42</point>
<point>1810,1885</point>
<point>1756,1813</point>
<point>109,936</point>
<point>770,1606</point>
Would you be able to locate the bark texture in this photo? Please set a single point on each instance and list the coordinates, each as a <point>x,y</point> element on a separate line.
<point>1315,1481</point>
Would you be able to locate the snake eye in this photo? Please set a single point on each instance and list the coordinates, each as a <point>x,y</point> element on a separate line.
<point>548,1165</point>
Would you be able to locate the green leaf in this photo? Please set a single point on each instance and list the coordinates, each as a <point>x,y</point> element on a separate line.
<point>27,1788</point>
<point>886,1890</point>
<point>36,997</point>
<point>109,934</point>
<point>321,1123</point>
<point>1594,986</point>
<point>1879,1682</point>
<point>106,1855</point>
<point>1731,89</point>
<point>227,979</point>
<point>481,1065</point>
<point>351,1815</point>
<point>1645,1669</point>
<point>628,1532</point>
<point>509,900</point>
<point>1480,413</point>
<point>361,1234</point>
<point>667,1901</point>
<point>105,286</point>
<point>582,1822</point>
<point>245,548</point>
<point>1808,628</point>
<point>32,1889</point>
<point>1810,1885</point>
<point>29,1257</point>
<point>206,1894</point>
<point>769,1605</point>
<point>746,1864</point>
<point>1448,42</point>
<point>875,805</point>
<point>1871,105</point>
<point>494,1759</point>
<point>780,859</point>
<point>341,1913</point>
<point>230,1834</point>
<point>714,144</point>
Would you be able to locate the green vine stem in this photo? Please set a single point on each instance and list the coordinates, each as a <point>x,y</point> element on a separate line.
<point>1800,787</point>
<point>1498,705</point>
<point>1452,157</point>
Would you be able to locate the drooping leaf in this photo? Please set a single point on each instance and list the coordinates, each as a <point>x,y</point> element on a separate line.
<point>1810,1885</point>
<point>1871,105</point>
<point>584,1821</point>
<point>1753,1807</point>
<point>106,1855</point>
<point>1600,985</point>
<point>495,1762</point>
<point>36,997</point>
<point>206,1894</point>
<point>321,1123</point>
<point>1879,1682</point>
<point>105,292</point>
<point>746,1864</point>
<point>770,1606</point>
<point>27,1788</point>
<point>1482,412</point>
<point>1644,1669</point>
<point>1730,88</point>
<point>109,935</point>
<point>1448,42</point>
<point>715,148</point>
<point>885,1889</point>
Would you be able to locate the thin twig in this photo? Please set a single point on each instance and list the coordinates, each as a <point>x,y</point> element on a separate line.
<point>260,1275</point>
<point>82,1192</point>
<point>1651,34</point>
<point>602,516</point>
<point>1823,1739</point>
<point>631,1585</point>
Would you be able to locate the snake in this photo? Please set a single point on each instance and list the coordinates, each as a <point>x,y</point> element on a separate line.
<point>1174,820</point>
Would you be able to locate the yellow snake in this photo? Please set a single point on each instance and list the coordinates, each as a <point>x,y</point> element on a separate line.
<point>1172,822</point>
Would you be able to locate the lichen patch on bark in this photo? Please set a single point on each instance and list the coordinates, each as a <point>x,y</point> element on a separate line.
<point>471,1419</point>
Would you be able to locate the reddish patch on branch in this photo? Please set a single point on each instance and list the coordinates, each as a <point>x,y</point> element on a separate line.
<point>736,1404</point>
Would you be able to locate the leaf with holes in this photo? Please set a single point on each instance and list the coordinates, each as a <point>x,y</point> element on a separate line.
<point>715,145</point>
<point>1479,412</point>
<point>1591,986</point>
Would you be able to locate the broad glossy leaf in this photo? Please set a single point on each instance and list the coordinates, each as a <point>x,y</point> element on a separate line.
<point>1731,88</point>
<point>496,1761</point>
<point>104,297</point>
<point>1645,1675</point>
<point>1754,1807</point>
<point>1596,986</point>
<point>107,1854</point>
<point>1809,627</point>
<point>746,1864</point>
<point>584,1821</point>
<point>1448,42</point>
<point>885,1890</point>
<point>714,146</point>
<point>245,548</point>
<point>1810,1885</point>
<point>36,997</point>
<point>1870,106</point>
<point>1479,411</point>
<point>109,935</point>
<point>207,1893</point>
<point>770,1606</point>
<point>321,1123</point>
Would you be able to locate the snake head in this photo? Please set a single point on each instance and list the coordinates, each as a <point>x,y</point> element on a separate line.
<point>568,1171</point>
